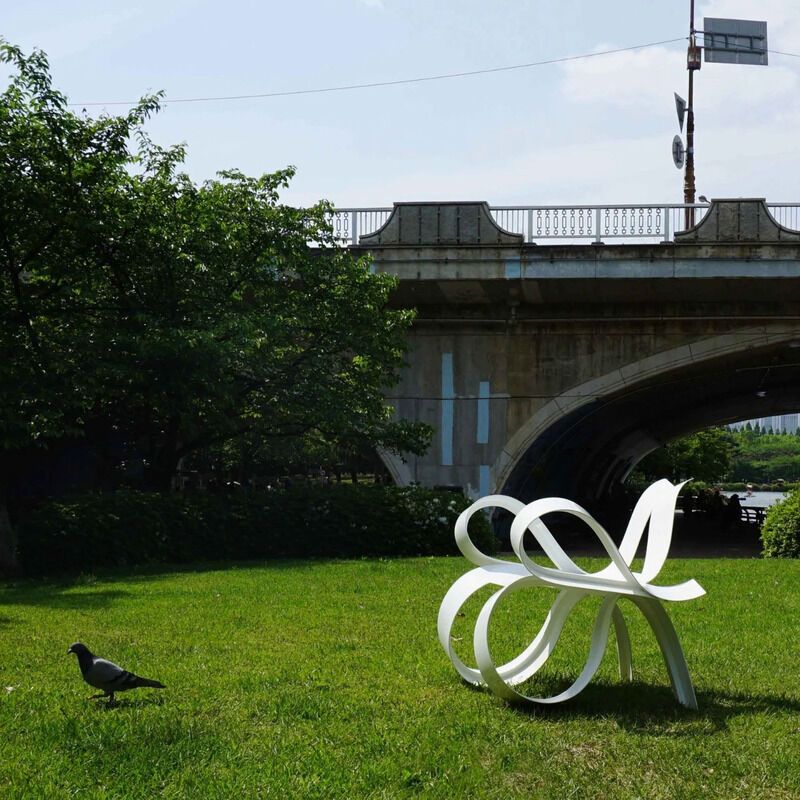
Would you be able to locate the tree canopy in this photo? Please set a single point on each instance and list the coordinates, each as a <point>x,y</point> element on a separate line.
<point>143,309</point>
<point>766,457</point>
<point>717,454</point>
<point>703,456</point>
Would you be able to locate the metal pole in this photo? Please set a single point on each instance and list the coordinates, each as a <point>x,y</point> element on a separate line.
<point>692,63</point>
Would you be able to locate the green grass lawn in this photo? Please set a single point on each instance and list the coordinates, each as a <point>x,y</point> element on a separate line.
<point>325,680</point>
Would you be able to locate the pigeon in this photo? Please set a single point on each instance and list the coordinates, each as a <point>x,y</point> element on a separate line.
<point>106,675</point>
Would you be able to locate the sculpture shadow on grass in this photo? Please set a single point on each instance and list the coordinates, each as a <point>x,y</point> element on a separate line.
<point>650,710</point>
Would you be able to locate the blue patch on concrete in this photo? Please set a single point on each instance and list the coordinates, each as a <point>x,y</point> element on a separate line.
<point>483,480</point>
<point>448,409</point>
<point>513,268</point>
<point>483,413</point>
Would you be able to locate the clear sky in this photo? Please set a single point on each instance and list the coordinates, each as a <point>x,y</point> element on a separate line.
<point>597,130</point>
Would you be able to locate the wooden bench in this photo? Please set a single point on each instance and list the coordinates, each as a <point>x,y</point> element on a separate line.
<point>753,515</point>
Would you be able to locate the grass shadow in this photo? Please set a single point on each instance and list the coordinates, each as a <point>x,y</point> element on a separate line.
<point>653,710</point>
<point>154,572</point>
<point>59,591</point>
<point>59,597</point>
<point>121,703</point>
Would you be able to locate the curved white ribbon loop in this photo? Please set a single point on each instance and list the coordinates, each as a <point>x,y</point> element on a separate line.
<point>655,509</point>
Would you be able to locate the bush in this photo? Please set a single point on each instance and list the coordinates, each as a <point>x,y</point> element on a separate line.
<point>780,535</point>
<point>130,527</point>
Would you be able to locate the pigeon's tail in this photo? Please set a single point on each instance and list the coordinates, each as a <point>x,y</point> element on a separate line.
<point>140,682</point>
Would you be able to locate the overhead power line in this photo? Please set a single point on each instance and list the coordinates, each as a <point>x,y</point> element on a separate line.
<point>399,82</point>
<point>782,53</point>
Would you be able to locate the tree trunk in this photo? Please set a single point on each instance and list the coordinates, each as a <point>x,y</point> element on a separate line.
<point>9,565</point>
<point>164,460</point>
<point>158,477</point>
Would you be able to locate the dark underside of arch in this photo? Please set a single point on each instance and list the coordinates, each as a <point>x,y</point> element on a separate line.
<point>588,453</point>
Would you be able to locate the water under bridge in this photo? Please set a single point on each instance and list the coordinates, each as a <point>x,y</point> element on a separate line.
<point>554,347</point>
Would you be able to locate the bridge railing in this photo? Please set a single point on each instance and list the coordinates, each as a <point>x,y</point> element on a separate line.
<point>655,223</point>
<point>786,214</point>
<point>350,223</point>
<point>598,223</point>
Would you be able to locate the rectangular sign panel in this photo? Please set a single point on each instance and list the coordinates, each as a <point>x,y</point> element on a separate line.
<point>735,41</point>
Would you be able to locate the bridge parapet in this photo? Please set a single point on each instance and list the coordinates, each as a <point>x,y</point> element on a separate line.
<point>738,220</point>
<point>441,223</point>
<point>416,224</point>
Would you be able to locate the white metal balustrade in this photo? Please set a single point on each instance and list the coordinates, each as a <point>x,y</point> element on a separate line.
<point>597,223</point>
<point>786,214</point>
<point>656,223</point>
<point>351,223</point>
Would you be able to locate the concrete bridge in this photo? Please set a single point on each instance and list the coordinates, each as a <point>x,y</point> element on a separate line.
<point>552,368</point>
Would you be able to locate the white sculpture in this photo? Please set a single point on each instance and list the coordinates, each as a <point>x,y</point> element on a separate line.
<point>656,505</point>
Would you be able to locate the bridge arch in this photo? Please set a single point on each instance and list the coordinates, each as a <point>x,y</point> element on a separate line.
<point>586,440</point>
<point>551,367</point>
<point>398,468</point>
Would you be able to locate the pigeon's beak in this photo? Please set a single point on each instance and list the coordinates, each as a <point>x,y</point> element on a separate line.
<point>70,650</point>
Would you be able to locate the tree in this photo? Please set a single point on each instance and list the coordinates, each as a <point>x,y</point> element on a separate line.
<point>227,324</point>
<point>251,456</point>
<point>58,169</point>
<point>168,316</point>
<point>704,456</point>
<point>766,458</point>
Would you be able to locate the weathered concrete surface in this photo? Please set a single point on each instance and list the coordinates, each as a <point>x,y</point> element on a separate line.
<point>550,370</point>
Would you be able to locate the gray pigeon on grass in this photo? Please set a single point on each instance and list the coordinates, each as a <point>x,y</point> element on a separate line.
<point>106,675</point>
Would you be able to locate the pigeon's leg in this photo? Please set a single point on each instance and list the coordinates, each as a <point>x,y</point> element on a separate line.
<point>111,700</point>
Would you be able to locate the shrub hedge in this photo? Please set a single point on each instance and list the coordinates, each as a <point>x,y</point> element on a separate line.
<point>131,527</point>
<point>780,534</point>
